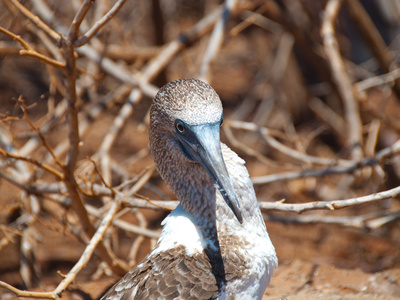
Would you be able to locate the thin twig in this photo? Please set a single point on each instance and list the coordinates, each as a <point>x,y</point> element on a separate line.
<point>36,20</point>
<point>30,51</point>
<point>27,294</point>
<point>99,24</point>
<point>32,161</point>
<point>24,109</point>
<point>79,16</point>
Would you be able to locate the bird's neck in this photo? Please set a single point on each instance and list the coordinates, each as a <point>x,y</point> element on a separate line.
<point>196,190</point>
<point>189,181</point>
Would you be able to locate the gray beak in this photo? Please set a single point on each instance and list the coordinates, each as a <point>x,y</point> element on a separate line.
<point>202,144</point>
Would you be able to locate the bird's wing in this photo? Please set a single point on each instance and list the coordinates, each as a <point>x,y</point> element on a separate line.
<point>167,275</point>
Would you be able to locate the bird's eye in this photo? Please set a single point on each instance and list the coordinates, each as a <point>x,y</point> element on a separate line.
<point>222,122</point>
<point>179,126</point>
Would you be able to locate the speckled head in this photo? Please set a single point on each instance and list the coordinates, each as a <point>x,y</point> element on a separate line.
<point>190,100</point>
<point>185,120</point>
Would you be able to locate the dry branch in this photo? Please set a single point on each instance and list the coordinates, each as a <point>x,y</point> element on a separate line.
<point>341,79</point>
<point>330,205</point>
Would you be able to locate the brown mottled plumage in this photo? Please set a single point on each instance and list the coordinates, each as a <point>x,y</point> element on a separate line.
<point>214,245</point>
<point>163,273</point>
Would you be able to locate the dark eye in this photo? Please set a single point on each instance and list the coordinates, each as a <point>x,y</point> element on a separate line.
<point>222,122</point>
<point>179,126</point>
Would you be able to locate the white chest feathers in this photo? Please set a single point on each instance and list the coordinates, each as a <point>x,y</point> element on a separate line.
<point>179,229</point>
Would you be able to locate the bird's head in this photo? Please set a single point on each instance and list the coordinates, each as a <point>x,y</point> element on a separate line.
<point>190,112</point>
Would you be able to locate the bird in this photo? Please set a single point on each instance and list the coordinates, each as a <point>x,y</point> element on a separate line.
<point>215,244</point>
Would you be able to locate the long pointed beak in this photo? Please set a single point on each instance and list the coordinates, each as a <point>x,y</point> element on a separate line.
<point>204,146</point>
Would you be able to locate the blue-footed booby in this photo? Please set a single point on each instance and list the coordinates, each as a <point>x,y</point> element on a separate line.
<point>214,245</point>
